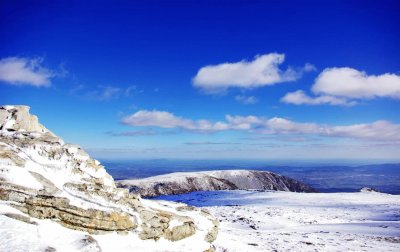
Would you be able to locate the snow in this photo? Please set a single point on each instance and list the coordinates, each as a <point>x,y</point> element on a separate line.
<point>174,223</point>
<point>249,221</point>
<point>57,170</point>
<point>204,180</point>
<point>9,124</point>
<point>16,173</point>
<point>20,236</point>
<point>8,107</point>
<point>181,176</point>
<point>287,221</point>
<point>131,242</point>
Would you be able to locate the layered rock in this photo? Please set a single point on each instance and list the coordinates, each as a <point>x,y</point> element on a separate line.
<point>45,178</point>
<point>185,182</point>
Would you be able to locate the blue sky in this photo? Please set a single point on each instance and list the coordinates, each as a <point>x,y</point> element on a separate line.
<point>208,79</point>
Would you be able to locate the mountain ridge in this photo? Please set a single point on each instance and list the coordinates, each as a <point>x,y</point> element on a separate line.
<point>185,182</point>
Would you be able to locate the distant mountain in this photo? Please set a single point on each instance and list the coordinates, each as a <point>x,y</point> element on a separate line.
<point>339,178</point>
<point>184,182</point>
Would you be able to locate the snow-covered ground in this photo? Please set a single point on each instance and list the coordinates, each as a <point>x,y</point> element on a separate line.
<point>47,235</point>
<point>249,221</point>
<point>287,221</point>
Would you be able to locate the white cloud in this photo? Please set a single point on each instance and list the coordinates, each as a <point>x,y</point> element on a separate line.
<point>379,130</point>
<point>242,122</point>
<point>132,90</point>
<point>344,86</point>
<point>351,83</point>
<point>25,71</point>
<point>161,119</point>
<point>308,67</point>
<point>299,97</point>
<point>212,143</point>
<point>132,133</point>
<point>277,125</point>
<point>165,119</point>
<point>376,131</point>
<point>262,71</point>
<point>248,100</point>
<point>146,132</point>
<point>104,93</point>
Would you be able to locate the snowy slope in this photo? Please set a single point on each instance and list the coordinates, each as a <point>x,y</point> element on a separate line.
<point>46,235</point>
<point>287,221</point>
<point>184,182</point>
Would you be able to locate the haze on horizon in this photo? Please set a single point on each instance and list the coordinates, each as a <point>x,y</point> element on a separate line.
<point>210,79</point>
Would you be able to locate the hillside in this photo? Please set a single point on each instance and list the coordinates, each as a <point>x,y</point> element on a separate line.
<point>185,182</point>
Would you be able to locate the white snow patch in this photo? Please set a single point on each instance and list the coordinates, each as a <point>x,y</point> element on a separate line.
<point>19,175</point>
<point>20,236</point>
<point>287,221</point>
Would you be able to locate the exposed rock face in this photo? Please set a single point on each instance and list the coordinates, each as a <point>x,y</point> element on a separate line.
<point>185,182</point>
<point>14,118</point>
<point>88,243</point>
<point>45,178</point>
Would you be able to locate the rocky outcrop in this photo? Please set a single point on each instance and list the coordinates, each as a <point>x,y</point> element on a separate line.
<point>48,207</point>
<point>44,178</point>
<point>185,182</point>
<point>15,118</point>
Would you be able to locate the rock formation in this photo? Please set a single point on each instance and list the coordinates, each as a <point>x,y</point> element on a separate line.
<point>44,178</point>
<point>185,182</point>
